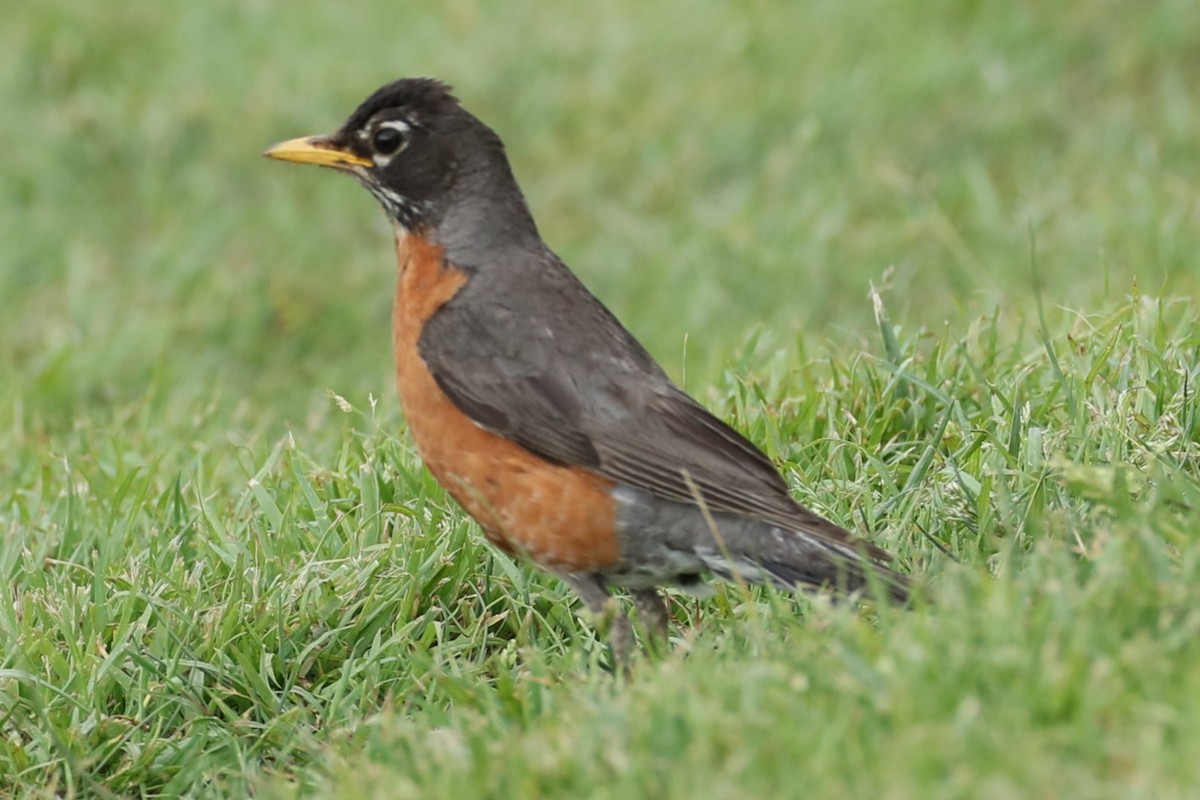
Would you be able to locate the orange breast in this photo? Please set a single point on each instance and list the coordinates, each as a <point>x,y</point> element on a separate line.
<point>562,518</point>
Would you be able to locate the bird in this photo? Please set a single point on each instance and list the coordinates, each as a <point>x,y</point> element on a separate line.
<point>540,413</point>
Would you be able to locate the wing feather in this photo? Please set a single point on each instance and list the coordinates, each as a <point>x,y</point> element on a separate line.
<point>566,381</point>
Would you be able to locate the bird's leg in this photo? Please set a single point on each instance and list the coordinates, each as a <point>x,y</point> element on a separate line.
<point>608,614</point>
<point>652,612</point>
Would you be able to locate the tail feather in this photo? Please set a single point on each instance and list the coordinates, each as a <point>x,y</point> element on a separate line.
<point>871,578</point>
<point>758,552</point>
<point>812,553</point>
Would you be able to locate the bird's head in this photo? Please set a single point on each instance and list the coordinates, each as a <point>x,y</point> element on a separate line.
<point>415,149</point>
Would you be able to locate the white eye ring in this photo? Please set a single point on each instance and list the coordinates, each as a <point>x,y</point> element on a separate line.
<point>389,140</point>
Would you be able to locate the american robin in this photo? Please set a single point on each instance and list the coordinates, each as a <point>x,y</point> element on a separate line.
<point>538,411</point>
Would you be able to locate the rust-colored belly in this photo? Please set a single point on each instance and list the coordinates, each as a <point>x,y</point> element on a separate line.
<point>562,518</point>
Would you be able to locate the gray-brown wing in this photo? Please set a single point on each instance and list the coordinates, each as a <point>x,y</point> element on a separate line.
<point>562,378</point>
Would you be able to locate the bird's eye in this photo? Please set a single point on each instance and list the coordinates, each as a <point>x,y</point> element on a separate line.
<point>388,140</point>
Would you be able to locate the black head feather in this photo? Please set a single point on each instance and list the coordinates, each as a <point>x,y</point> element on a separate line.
<point>433,165</point>
<point>419,96</point>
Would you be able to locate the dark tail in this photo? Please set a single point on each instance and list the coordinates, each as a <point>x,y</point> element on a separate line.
<point>801,551</point>
<point>761,552</point>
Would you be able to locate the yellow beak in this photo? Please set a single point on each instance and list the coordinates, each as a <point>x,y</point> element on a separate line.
<point>319,150</point>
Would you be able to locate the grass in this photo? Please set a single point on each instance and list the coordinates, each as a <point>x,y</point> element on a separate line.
<point>937,259</point>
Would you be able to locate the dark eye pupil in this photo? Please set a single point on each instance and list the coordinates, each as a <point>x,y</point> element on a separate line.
<point>387,140</point>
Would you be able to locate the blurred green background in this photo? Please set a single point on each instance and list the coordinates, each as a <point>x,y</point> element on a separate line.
<point>707,172</point>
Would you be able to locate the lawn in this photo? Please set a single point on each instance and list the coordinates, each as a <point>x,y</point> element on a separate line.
<point>939,259</point>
